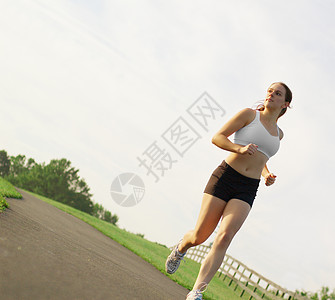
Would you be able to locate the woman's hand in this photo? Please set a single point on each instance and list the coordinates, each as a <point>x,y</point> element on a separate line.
<point>248,149</point>
<point>270,178</point>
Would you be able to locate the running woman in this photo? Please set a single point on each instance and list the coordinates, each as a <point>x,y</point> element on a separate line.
<point>232,187</point>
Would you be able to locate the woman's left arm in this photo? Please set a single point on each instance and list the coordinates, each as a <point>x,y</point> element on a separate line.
<point>270,178</point>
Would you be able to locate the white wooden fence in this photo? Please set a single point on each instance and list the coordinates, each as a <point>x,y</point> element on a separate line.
<point>243,280</point>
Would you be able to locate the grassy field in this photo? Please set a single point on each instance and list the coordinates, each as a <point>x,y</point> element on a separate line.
<point>7,190</point>
<point>153,253</point>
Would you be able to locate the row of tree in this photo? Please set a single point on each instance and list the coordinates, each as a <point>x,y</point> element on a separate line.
<point>324,294</point>
<point>57,180</point>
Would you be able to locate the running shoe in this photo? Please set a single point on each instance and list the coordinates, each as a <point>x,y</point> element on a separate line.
<point>196,294</point>
<point>173,261</point>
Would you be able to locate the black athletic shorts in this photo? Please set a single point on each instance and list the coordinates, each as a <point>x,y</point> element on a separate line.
<point>226,183</point>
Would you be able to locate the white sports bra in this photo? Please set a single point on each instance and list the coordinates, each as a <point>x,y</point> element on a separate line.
<point>256,133</point>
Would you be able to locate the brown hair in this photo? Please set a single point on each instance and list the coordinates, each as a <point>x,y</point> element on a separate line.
<point>288,98</point>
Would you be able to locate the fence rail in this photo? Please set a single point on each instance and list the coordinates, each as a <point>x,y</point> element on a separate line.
<point>239,275</point>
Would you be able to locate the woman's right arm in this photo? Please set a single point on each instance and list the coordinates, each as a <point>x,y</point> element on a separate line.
<point>220,139</point>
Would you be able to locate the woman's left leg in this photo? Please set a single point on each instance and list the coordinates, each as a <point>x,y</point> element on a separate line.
<point>234,215</point>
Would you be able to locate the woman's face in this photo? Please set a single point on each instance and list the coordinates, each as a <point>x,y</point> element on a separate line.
<point>275,97</point>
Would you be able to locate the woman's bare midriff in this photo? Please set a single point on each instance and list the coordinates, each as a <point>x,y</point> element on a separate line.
<point>248,165</point>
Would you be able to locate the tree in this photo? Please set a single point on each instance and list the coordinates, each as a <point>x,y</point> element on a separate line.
<point>30,164</point>
<point>17,165</point>
<point>4,163</point>
<point>323,294</point>
<point>98,211</point>
<point>101,213</point>
<point>115,219</point>
<point>63,183</point>
<point>108,216</point>
<point>57,180</point>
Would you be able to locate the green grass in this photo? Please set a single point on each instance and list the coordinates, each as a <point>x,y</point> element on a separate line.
<point>3,203</point>
<point>7,190</point>
<point>153,253</point>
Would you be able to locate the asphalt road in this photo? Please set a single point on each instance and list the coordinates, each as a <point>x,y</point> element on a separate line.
<point>46,253</point>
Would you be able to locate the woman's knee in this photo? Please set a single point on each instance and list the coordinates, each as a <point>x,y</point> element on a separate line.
<point>223,239</point>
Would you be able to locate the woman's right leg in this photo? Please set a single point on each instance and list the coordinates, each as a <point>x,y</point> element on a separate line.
<point>210,213</point>
<point>233,217</point>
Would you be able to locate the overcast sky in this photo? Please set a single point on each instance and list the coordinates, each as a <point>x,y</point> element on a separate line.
<point>102,82</point>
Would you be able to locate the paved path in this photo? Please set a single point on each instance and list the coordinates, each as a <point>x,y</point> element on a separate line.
<point>46,253</point>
